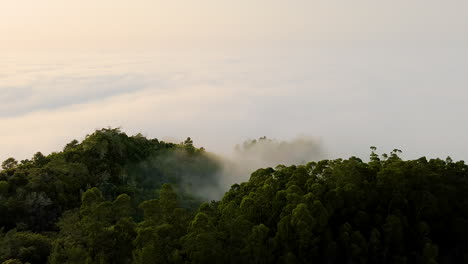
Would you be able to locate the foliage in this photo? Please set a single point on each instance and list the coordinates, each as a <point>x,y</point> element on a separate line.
<point>36,192</point>
<point>119,199</point>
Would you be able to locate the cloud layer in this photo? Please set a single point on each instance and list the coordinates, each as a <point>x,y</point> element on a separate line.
<point>355,74</point>
<point>351,102</point>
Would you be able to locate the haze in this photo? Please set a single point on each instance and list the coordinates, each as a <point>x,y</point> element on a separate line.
<point>352,74</point>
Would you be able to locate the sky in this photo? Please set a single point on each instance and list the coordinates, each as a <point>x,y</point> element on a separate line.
<point>351,74</point>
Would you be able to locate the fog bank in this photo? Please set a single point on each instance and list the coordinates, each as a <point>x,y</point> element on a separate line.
<point>259,153</point>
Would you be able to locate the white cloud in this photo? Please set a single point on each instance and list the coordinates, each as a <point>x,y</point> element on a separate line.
<point>392,84</point>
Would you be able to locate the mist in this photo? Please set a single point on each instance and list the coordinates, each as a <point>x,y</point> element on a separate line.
<point>249,156</point>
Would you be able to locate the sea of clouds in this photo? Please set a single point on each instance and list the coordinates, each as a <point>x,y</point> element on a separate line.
<point>351,97</point>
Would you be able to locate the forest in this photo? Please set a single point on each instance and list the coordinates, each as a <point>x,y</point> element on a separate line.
<point>114,198</point>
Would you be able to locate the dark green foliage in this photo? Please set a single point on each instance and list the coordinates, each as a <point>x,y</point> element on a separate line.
<point>36,192</point>
<point>340,211</point>
<point>119,199</point>
<point>24,247</point>
<point>12,261</point>
<point>9,164</point>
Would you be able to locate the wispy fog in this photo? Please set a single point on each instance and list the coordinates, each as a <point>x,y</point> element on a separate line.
<point>263,153</point>
<point>246,158</point>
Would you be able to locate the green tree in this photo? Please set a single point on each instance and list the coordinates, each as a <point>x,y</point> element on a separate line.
<point>9,163</point>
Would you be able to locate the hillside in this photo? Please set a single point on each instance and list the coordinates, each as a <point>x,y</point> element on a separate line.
<point>114,198</point>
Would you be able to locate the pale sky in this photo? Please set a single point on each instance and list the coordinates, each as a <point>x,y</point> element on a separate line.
<point>392,74</point>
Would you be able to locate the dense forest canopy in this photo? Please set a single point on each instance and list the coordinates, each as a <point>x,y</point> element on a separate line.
<point>114,198</point>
